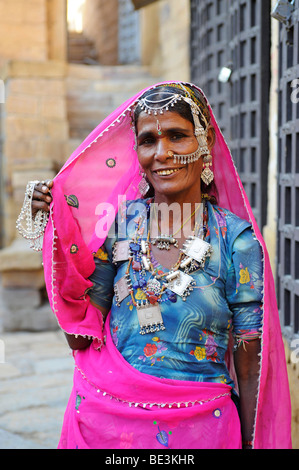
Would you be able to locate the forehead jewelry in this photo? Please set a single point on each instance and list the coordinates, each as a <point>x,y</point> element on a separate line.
<point>159,128</point>
<point>157,106</point>
<point>153,104</point>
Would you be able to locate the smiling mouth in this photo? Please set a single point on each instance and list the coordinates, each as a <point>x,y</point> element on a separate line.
<point>167,172</point>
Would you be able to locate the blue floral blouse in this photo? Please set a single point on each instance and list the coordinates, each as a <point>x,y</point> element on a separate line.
<point>227,298</point>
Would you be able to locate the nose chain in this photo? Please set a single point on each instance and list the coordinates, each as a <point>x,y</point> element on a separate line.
<point>187,158</point>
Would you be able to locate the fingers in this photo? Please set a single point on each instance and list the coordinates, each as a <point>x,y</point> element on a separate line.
<point>40,205</point>
<point>48,183</point>
<point>44,186</point>
<point>42,197</point>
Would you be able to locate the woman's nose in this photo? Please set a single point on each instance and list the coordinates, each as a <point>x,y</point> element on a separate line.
<point>162,150</point>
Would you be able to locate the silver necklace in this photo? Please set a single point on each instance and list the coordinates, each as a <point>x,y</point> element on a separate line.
<point>178,281</point>
<point>164,241</point>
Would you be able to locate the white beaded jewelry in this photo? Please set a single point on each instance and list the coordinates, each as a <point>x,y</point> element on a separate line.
<point>29,228</point>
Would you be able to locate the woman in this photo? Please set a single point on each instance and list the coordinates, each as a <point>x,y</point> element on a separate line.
<point>173,292</point>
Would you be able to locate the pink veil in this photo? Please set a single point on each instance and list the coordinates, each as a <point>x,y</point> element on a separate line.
<point>86,197</point>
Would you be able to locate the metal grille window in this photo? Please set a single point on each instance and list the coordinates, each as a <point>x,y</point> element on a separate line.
<point>237,34</point>
<point>288,175</point>
<point>209,53</point>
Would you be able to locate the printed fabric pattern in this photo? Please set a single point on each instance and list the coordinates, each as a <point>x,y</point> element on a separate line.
<point>227,299</point>
<point>103,168</point>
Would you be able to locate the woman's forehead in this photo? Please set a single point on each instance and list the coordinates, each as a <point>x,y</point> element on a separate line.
<point>167,120</point>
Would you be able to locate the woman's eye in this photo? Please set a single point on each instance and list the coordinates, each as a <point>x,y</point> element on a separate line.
<point>177,136</point>
<point>147,141</point>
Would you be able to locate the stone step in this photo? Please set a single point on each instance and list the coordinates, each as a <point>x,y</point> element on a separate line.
<point>35,383</point>
<point>78,38</point>
<point>93,92</point>
<point>80,49</point>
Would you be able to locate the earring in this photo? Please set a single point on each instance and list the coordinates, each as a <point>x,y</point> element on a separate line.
<point>207,174</point>
<point>143,185</point>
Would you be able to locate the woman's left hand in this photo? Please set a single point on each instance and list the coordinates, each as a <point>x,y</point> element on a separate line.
<point>42,198</point>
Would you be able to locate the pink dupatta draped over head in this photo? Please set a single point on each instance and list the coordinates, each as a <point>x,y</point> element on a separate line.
<point>86,195</point>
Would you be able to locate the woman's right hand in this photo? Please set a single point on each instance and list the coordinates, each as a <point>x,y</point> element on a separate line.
<point>42,198</point>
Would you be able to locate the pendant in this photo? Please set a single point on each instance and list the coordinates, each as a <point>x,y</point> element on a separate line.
<point>143,186</point>
<point>154,286</point>
<point>180,283</point>
<point>121,251</point>
<point>196,249</point>
<point>207,176</point>
<point>150,318</point>
<point>122,289</point>
<point>164,242</point>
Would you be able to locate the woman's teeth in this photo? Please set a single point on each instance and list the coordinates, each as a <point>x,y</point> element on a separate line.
<point>167,172</point>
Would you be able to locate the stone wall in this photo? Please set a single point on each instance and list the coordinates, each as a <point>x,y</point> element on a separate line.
<point>174,39</point>
<point>33,30</point>
<point>57,29</point>
<point>270,229</point>
<point>35,138</point>
<point>34,134</point>
<point>94,92</point>
<point>23,27</point>
<point>164,35</point>
<point>35,129</point>
<point>165,38</point>
<point>100,24</point>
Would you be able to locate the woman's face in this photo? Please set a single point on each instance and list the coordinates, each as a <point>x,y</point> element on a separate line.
<point>156,136</point>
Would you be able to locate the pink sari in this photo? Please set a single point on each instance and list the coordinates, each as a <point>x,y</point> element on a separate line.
<point>112,404</point>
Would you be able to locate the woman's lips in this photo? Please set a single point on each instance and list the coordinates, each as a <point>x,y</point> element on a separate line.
<point>167,171</point>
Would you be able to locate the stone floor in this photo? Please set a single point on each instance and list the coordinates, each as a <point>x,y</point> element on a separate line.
<point>35,382</point>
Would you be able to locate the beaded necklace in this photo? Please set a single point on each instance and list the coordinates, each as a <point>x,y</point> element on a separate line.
<point>160,287</point>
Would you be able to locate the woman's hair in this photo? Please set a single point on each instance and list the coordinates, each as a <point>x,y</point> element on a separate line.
<point>183,109</point>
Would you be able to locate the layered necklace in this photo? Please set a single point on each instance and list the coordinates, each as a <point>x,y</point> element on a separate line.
<point>164,241</point>
<point>159,287</point>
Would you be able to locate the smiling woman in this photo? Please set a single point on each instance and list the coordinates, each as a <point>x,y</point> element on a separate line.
<point>170,141</point>
<point>171,318</point>
<point>171,181</point>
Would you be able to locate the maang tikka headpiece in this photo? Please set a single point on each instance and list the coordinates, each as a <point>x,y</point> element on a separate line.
<point>151,105</point>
